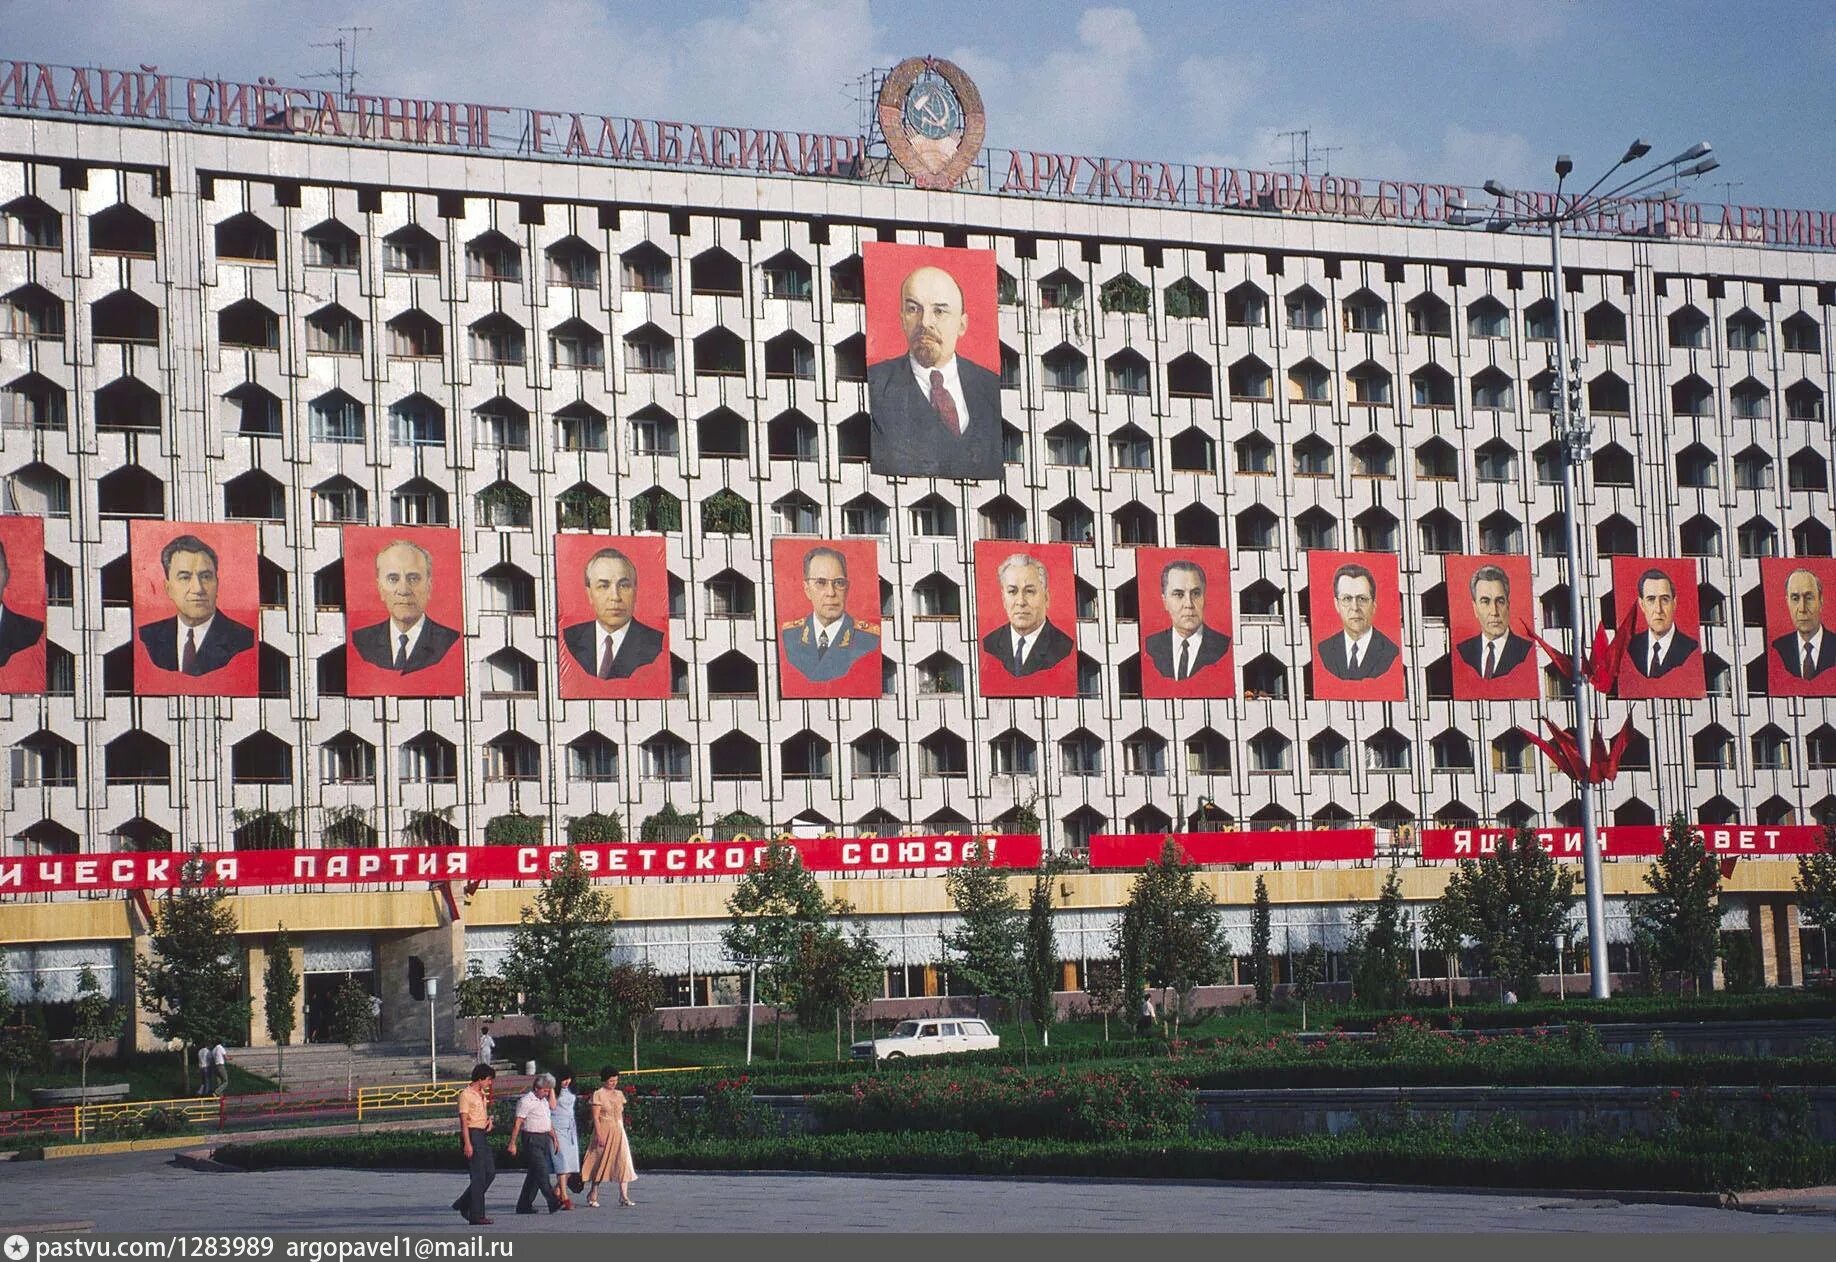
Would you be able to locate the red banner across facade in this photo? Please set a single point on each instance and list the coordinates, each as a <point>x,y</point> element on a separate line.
<point>633,860</point>
<point>1135,850</point>
<point>1633,841</point>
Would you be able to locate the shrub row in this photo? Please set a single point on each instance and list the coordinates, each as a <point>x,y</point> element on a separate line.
<point>1778,1005</point>
<point>1497,1156</point>
<point>1100,1104</point>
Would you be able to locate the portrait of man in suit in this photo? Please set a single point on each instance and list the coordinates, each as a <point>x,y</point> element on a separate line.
<point>825,644</point>
<point>197,639</point>
<point>1359,651</point>
<point>1497,650</point>
<point>614,645</point>
<point>17,631</point>
<point>1660,648</point>
<point>407,640</point>
<point>1028,642</point>
<point>1188,645</point>
<point>1809,649</point>
<point>935,414</point>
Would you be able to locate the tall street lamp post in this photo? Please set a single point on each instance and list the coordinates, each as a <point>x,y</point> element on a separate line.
<point>1576,435</point>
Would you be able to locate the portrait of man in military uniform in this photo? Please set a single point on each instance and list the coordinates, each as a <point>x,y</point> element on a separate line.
<point>832,632</point>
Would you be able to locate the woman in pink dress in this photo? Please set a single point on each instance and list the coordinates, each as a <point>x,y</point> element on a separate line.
<point>610,1157</point>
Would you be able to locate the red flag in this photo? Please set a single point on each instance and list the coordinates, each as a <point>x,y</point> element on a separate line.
<point>1605,667</point>
<point>1557,659</point>
<point>1617,752</point>
<point>1559,752</point>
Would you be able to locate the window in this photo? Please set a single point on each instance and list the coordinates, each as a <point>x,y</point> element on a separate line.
<point>492,257</point>
<point>865,515</point>
<point>32,312</point>
<point>797,514</point>
<point>653,432</point>
<point>414,335</point>
<point>1080,754</point>
<point>505,506</point>
<point>940,675</point>
<point>1061,291</point>
<point>1539,321</point>
<point>1250,379</point>
<point>1131,448</point>
<point>933,516</point>
<point>28,223</point>
<point>1429,316</point>
<point>1013,754</point>
<point>876,756</point>
<point>729,595</point>
<point>1068,445</point>
<point>645,269</point>
<point>1064,368</point>
<point>1431,387</point>
<point>509,590</point>
<point>1313,457</point>
<point>1124,295</point>
<point>338,501</point>
<point>1144,754</point>
<point>334,331</point>
<point>412,250</point>
<point>1127,373</point>
<point>245,238</point>
<point>582,428</point>
<point>1806,471</point>
<point>127,405</point>
<point>1605,324</point>
<point>1491,390</point>
<point>418,502</point>
<point>649,350</point>
<point>573,264</point>
<point>1388,751</point>
<point>1803,402</point>
<point>347,759</point>
<point>1306,309</point>
<point>1329,752</point>
<point>577,344</point>
<point>936,597</point>
<point>720,353</point>
<point>1308,382</point>
<point>497,339</point>
<point>1771,749</point>
<point>1758,538</point>
<point>1609,393</point>
<point>331,244</point>
<point>1269,752</point>
<point>1613,466</point>
<point>790,356</point>
<point>1002,518</point>
<point>1753,470</point>
<point>1488,318</point>
<point>1696,468</point>
<point>1437,461</point>
<point>593,759</point>
<point>1071,521</point>
<point>501,425</point>
<point>1495,461</point>
<point>1750,401</point>
<point>35,402</point>
<point>512,756</point>
<point>417,421</point>
<point>1375,530</point>
<point>336,418</point>
<point>1372,457</point>
<point>1246,306</point>
<point>1440,532</point>
<point>665,757</point>
<point>1370,385</point>
<point>1365,312</point>
<point>1689,329</point>
<point>1801,335</point>
<point>1500,534</point>
<point>1746,332</point>
<point>1692,396</point>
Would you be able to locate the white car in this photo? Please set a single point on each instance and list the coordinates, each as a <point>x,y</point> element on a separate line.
<point>929,1038</point>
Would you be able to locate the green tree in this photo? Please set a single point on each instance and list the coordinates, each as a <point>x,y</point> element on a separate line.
<point>833,973</point>
<point>1378,947</point>
<point>1170,932</point>
<point>560,951</point>
<point>190,980</point>
<point>96,1021</point>
<point>1109,994</point>
<point>281,987</point>
<point>1816,883</point>
<point>482,995</point>
<point>1444,926</point>
<point>1309,972</point>
<point>774,902</point>
<point>351,1022</point>
<point>595,827</point>
<point>23,1046</point>
<point>633,992</point>
<point>1682,915</point>
<point>1261,964</point>
<point>1512,903</point>
<point>1039,955</point>
<point>984,950</point>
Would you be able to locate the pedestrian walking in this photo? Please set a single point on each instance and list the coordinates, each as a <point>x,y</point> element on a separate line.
<point>1144,1024</point>
<point>610,1159</point>
<point>219,1061</point>
<point>535,1129</point>
<point>475,1142</point>
<point>206,1083</point>
<point>487,1047</point>
<point>567,1135</point>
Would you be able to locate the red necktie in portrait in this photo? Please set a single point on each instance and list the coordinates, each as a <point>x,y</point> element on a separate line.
<point>605,660</point>
<point>189,663</point>
<point>1491,660</point>
<point>945,404</point>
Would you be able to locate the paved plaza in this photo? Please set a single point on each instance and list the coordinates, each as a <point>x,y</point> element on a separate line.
<point>149,1193</point>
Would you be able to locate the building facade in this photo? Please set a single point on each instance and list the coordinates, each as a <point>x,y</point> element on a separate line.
<point>211,324</point>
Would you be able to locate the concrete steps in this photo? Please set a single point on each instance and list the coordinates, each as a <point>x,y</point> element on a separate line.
<point>315,1066</point>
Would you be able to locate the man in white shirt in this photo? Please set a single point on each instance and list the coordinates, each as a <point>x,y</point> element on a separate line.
<point>219,1063</point>
<point>1661,647</point>
<point>1188,646</point>
<point>1027,642</point>
<point>1496,651</point>
<point>407,640</point>
<point>487,1046</point>
<point>1810,649</point>
<point>534,1129</point>
<point>207,1084</point>
<point>1360,650</point>
<point>614,645</point>
<point>198,638</point>
<point>935,414</point>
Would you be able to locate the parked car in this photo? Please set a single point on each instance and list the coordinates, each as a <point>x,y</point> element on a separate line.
<point>930,1038</point>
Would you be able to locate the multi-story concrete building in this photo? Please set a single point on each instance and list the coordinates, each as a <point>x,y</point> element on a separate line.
<point>302,330</point>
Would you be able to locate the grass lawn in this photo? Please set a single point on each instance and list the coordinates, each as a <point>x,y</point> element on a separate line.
<point>151,1075</point>
<point>791,1043</point>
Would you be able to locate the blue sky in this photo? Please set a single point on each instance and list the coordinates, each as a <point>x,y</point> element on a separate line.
<point>1453,90</point>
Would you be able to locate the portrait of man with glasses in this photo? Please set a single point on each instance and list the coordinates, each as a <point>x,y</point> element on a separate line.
<point>824,644</point>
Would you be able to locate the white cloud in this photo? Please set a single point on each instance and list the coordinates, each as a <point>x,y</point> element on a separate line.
<point>1215,90</point>
<point>1085,97</point>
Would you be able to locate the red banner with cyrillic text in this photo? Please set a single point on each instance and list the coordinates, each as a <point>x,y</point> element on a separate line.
<point>639,860</point>
<point>1633,841</point>
<point>1136,850</point>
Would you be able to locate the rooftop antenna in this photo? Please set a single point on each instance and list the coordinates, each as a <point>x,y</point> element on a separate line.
<point>346,73</point>
<point>1727,188</point>
<point>1301,150</point>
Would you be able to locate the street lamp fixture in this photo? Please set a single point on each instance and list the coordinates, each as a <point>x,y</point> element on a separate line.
<point>1576,436</point>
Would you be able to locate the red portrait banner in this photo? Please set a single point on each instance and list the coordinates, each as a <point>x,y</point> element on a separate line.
<point>404,611</point>
<point>1355,615</point>
<point>1800,640</point>
<point>1026,618</point>
<point>1306,845</point>
<point>839,856</point>
<point>827,594</point>
<point>1491,613</point>
<point>612,605</point>
<point>1631,841</point>
<point>22,605</point>
<point>197,609</point>
<point>887,265</point>
<point>1664,655</point>
<point>1187,639</point>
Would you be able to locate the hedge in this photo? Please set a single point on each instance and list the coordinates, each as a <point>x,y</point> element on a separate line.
<point>1781,1005</point>
<point>1501,1155</point>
